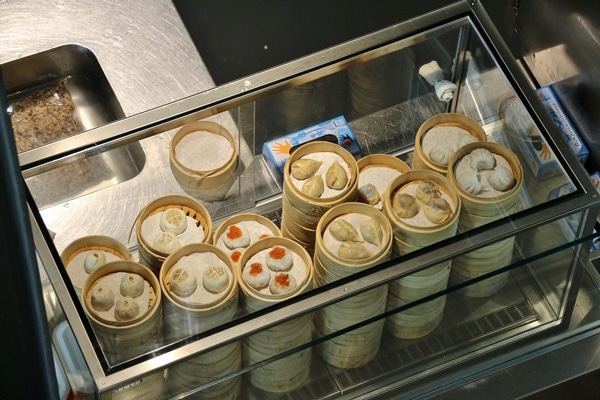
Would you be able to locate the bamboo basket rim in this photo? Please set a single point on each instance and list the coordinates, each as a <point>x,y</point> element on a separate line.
<point>245,217</point>
<point>117,267</point>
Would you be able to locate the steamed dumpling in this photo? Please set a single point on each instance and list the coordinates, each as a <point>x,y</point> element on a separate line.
<point>183,282</point>
<point>369,194</point>
<point>343,230</point>
<point>256,275</point>
<point>132,285</point>
<point>371,231</point>
<point>279,258</point>
<point>215,279</point>
<point>482,159</point>
<point>282,283</point>
<point>166,242</point>
<point>304,168</point>
<point>353,251</point>
<point>236,236</point>
<point>470,182</point>
<point>440,154</point>
<point>405,205</point>
<point>126,309</point>
<point>438,210</point>
<point>314,186</point>
<point>336,177</point>
<point>501,178</point>
<point>93,260</point>
<point>173,220</point>
<point>103,298</point>
<point>427,190</point>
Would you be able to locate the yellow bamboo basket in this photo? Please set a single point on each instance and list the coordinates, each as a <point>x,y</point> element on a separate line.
<point>378,170</point>
<point>73,256</point>
<point>122,340</point>
<point>421,160</point>
<point>416,321</point>
<point>148,255</point>
<point>290,372</point>
<point>202,310</point>
<point>212,184</point>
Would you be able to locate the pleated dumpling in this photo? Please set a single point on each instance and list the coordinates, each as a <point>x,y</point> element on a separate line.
<point>482,159</point>
<point>405,205</point>
<point>103,298</point>
<point>353,251</point>
<point>440,154</point>
<point>126,309</point>
<point>501,178</point>
<point>343,230</point>
<point>371,231</point>
<point>304,168</point>
<point>132,285</point>
<point>438,210</point>
<point>470,182</point>
<point>336,176</point>
<point>314,186</point>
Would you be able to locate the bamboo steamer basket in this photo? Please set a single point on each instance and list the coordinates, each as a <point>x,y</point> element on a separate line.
<point>125,339</point>
<point>421,236</point>
<point>290,372</point>
<point>293,215</point>
<point>415,287</point>
<point>149,387</point>
<point>313,205</point>
<point>417,321</point>
<point>481,289</point>
<point>421,160</point>
<point>213,184</point>
<point>377,162</point>
<point>269,226</point>
<point>227,390</point>
<point>340,266</point>
<point>112,248</point>
<point>309,247</point>
<point>148,255</point>
<point>493,207</point>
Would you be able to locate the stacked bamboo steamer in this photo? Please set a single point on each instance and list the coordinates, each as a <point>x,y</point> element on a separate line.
<point>351,238</point>
<point>290,372</point>
<point>123,302</point>
<point>440,136</point>
<point>486,205</point>
<point>301,211</point>
<point>82,256</point>
<point>158,228</point>
<point>376,171</point>
<point>194,304</point>
<point>412,233</point>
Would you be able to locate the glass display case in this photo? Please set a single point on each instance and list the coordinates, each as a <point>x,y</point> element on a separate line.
<point>402,321</point>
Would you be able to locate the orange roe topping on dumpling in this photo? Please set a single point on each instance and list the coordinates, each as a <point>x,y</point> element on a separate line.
<point>277,253</point>
<point>282,280</point>
<point>264,235</point>
<point>256,268</point>
<point>235,256</point>
<point>234,232</point>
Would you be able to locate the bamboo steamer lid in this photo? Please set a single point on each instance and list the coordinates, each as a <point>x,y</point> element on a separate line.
<point>494,207</point>
<point>206,179</point>
<point>73,256</point>
<point>385,167</point>
<point>153,258</point>
<point>125,338</point>
<point>421,160</point>
<point>354,212</point>
<point>421,236</point>
<point>313,205</point>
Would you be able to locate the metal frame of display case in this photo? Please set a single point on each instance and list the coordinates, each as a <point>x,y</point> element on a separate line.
<point>237,93</point>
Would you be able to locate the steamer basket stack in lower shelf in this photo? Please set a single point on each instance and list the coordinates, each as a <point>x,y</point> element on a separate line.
<point>351,237</point>
<point>409,205</point>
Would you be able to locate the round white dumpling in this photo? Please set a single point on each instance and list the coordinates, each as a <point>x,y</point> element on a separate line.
<point>166,242</point>
<point>93,260</point>
<point>501,178</point>
<point>132,285</point>
<point>440,154</point>
<point>173,220</point>
<point>256,275</point>
<point>183,282</point>
<point>279,258</point>
<point>103,298</point>
<point>126,309</point>
<point>236,236</point>
<point>215,279</point>
<point>482,159</point>
<point>282,283</point>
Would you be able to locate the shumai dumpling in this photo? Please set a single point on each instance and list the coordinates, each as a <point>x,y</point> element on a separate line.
<point>343,230</point>
<point>336,176</point>
<point>427,190</point>
<point>438,210</point>
<point>215,279</point>
<point>132,285</point>
<point>353,251</point>
<point>405,205</point>
<point>369,194</point>
<point>103,298</point>
<point>371,231</point>
<point>126,309</point>
<point>304,168</point>
<point>314,186</point>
